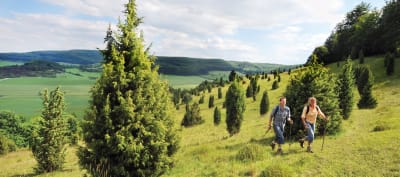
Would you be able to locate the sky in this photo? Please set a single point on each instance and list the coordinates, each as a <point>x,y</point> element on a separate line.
<point>258,31</point>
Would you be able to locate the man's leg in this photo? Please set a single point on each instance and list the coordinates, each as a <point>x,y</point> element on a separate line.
<point>279,137</point>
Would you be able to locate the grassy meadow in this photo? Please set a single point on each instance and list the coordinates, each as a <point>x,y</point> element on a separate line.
<point>369,144</point>
<point>22,95</point>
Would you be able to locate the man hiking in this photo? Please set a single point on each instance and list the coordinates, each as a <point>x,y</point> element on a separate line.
<point>309,118</point>
<point>279,115</point>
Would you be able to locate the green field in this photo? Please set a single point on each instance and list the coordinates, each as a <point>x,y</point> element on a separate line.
<point>9,63</point>
<point>207,150</point>
<point>21,95</point>
<point>188,82</point>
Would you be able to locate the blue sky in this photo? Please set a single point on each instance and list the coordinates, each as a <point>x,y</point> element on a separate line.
<point>284,31</point>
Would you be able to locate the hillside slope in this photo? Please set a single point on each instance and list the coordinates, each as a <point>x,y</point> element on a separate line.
<point>369,144</point>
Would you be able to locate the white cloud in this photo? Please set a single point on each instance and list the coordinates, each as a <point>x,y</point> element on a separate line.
<point>198,28</point>
<point>97,8</point>
<point>292,42</point>
<point>27,32</point>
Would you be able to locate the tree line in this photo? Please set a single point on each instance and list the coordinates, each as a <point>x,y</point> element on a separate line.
<point>36,68</point>
<point>363,32</point>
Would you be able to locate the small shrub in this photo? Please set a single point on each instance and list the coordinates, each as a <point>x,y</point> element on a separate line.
<point>251,152</point>
<point>6,145</point>
<point>380,127</point>
<point>277,171</point>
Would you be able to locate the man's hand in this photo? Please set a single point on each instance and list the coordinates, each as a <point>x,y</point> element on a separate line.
<point>327,119</point>
<point>291,121</point>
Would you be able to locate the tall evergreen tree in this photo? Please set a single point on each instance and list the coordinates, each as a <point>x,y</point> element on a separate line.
<point>365,81</point>
<point>249,91</point>
<point>211,101</point>
<point>217,116</point>
<point>361,56</point>
<point>390,65</point>
<point>275,85</point>
<point>201,100</point>
<point>209,88</point>
<point>345,89</point>
<point>232,76</point>
<point>264,105</point>
<point>221,82</point>
<point>235,107</point>
<point>49,141</point>
<point>314,80</point>
<point>128,129</point>
<point>219,92</point>
<point>388,55</point>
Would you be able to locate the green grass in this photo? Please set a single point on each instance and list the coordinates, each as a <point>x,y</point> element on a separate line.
<point>188,82</point>
<point>9,63</point>
<point>207,150</point>
<point>21,95</point>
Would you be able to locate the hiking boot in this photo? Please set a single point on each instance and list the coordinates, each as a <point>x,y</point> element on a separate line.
<point>279,151</point>
<point>301,141</point>
<point>309,149</point>
<point>273,145</point>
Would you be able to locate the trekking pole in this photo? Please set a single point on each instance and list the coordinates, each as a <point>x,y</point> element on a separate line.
<point>323,135</point>
<point>266,132</point>
<point>290,133</point>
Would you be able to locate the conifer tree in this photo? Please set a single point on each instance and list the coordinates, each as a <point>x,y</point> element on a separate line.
<point>49,141</point>
<point>209,88</point>
<point>264,105</point>
<point>365,81</point>
<point>217,116</point>
<point>232,76</point>
<point>345,89</point>
<point>249,91</point>
<point>201,100</point>
<point>388,55</point>
<point>211,101</point>
<point>235,107</point>
<point>192,116</point>
<point>128,129</point>
<point>275,85</point>
<point>314,80</point>
<point>219,92</point>
<point>221,82</point>
<point>361,56</point>
<point>390,65</point>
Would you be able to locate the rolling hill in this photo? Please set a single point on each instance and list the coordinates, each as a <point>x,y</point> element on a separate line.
<point>168,65</point>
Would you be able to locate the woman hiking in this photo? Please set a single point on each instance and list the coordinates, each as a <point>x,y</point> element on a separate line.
<point>309,118</point>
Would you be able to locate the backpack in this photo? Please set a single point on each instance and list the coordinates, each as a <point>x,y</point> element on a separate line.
<point>276,110</point>
<point>308,109</point>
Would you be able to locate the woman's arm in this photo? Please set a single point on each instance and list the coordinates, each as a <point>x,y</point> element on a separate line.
<point>321,113</point>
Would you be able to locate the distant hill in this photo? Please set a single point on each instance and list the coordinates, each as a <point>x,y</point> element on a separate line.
<point>36,68</point>
<point>168,65</point>
<point>65,56</point>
